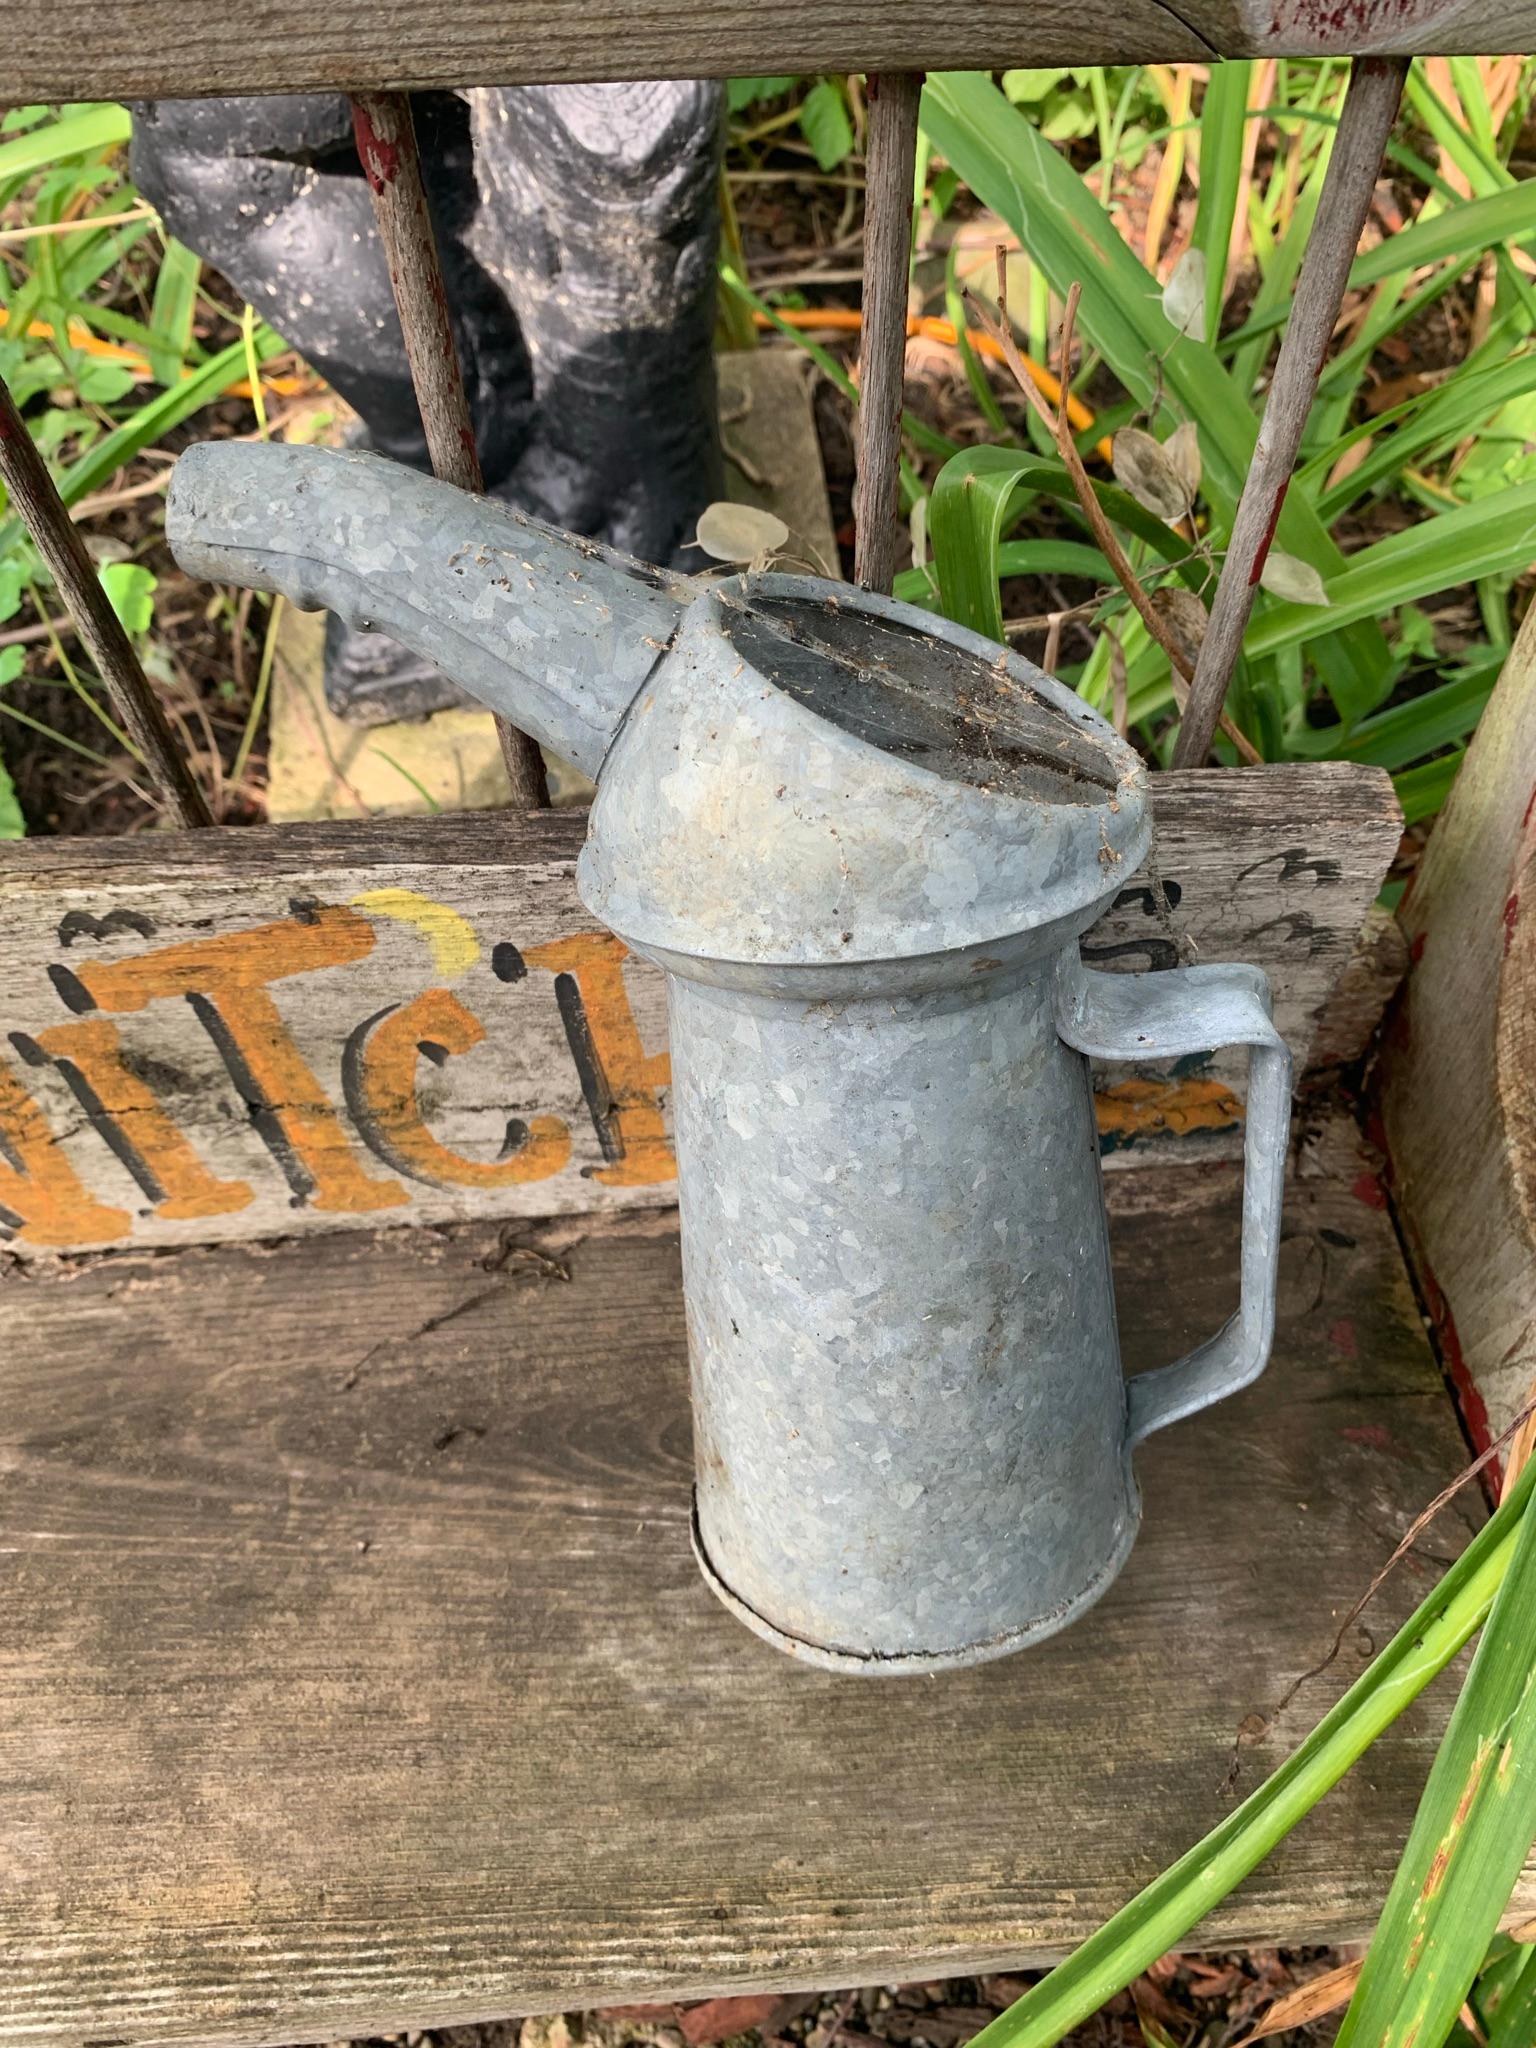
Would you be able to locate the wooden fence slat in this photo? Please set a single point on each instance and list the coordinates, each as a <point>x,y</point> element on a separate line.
<point>65,49</point>
<point>252,1033</point>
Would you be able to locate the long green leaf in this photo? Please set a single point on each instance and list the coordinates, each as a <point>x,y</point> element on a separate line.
<point>1514,2018</point>
<point>1470,1838</point>
<point>1163,1914</point>
<point>1405,734</point>
<point>79,132</point>
<point>1453,547</point>
<point>1014,558</point>
<point>12,824</point>
<point>1464,402</point>
<point>175,302</point>
<point>1422,791</point>
<point>967,512</point>
<point>1012,169</point>
<point>1462,232</point>
<point>1223,124</point>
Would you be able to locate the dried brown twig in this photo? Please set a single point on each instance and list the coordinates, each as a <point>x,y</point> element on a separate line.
<point>1059,426</point>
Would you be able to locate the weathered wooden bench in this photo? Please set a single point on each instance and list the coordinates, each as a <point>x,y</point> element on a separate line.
<point>355,1672</point>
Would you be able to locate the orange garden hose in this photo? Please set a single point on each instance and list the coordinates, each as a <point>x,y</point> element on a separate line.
<point>844,320</point>
<point>114,351</point>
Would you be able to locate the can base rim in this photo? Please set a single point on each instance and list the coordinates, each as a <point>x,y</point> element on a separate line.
<point>920,1663</point>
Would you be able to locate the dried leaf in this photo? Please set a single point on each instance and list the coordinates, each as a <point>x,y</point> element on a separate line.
<point>1310,2001</point>
<point>1288,576</point>
<point>739,533</point>
<point>1184,295</point>
<point>1182,448</point>
<point>1184,616</point>
<point>1143,467</point>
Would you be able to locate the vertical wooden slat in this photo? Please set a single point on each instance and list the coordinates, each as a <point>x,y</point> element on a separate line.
<point>1365,123</point>
<point>46,517</point>
<point>386,143</point>
<point>891,156</point>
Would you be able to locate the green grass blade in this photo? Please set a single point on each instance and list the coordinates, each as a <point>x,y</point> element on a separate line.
<point>1462,232</point>
<point>1223,123</point>
<point>12,824</point>
<point>1470,1837</point>
<point>1479,539</point>
<point>150,422</point>
<point>80,131</point>
<point>1016,172</point>
<point>170,317</point>
<point>967,513</point>
<point>1423,791</point>
<point>1457,407</point>
<point>1161,1916</point>
<point>1513,2022</point>
<point>1014,558</point>
<point>1457,138</point>
<point>1409,731</point>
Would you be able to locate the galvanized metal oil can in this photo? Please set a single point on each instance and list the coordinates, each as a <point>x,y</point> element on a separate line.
<point>863,845</point>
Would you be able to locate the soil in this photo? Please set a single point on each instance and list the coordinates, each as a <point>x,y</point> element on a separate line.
<point>1212,2001</point>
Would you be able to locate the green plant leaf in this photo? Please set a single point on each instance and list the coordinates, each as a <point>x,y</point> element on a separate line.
<point>1223,123</point>
<point>1069,235</point>
<point>130,589</point>
<point>1162,1915</point>
<point>175,302</point>
<point>1027,88</point>
<point>825,124</point>
<point>1452,547</point>
<point>747,92</point>
<point>967,512</point>
<point>1407,732</point>
<point>79,131</point>
<point>1422,791</point>
<point>1470,1838</point>
<point>149,423</point>
<point>1444,415</point>
<point>12,824</point>
<point>1512,2022</point>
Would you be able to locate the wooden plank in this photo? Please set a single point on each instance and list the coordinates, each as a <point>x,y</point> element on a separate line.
<point>219,1035</point>
<point>1457,1064</point>
<point>357,1675</point>
<point>64,49</point>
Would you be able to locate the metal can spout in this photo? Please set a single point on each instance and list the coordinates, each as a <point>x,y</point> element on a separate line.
<point>554,633</point>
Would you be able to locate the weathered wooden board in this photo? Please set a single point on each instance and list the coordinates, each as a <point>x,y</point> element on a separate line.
<point>247,1033</point>
<point>1459,1062</point>
<point>356,1673</point>
<point>65,49</point>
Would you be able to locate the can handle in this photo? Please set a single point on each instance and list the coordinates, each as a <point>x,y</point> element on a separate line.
<point>1161,1016</point>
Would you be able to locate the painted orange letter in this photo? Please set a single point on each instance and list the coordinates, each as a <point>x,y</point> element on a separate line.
<point>379,1077</point>
<point>618,1077</point>
<point>41,1197</point>
<point>132,1122</point>
<point>225,980</point>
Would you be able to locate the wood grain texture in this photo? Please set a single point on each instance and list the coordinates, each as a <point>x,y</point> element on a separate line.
<point>357,1673</point>
<point>65,49</point>
<point>890,165</point>
<point>250,1033</point>
<point>1457,1069</point>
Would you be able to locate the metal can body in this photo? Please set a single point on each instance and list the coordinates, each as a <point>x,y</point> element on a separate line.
<point>910,1421</point>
